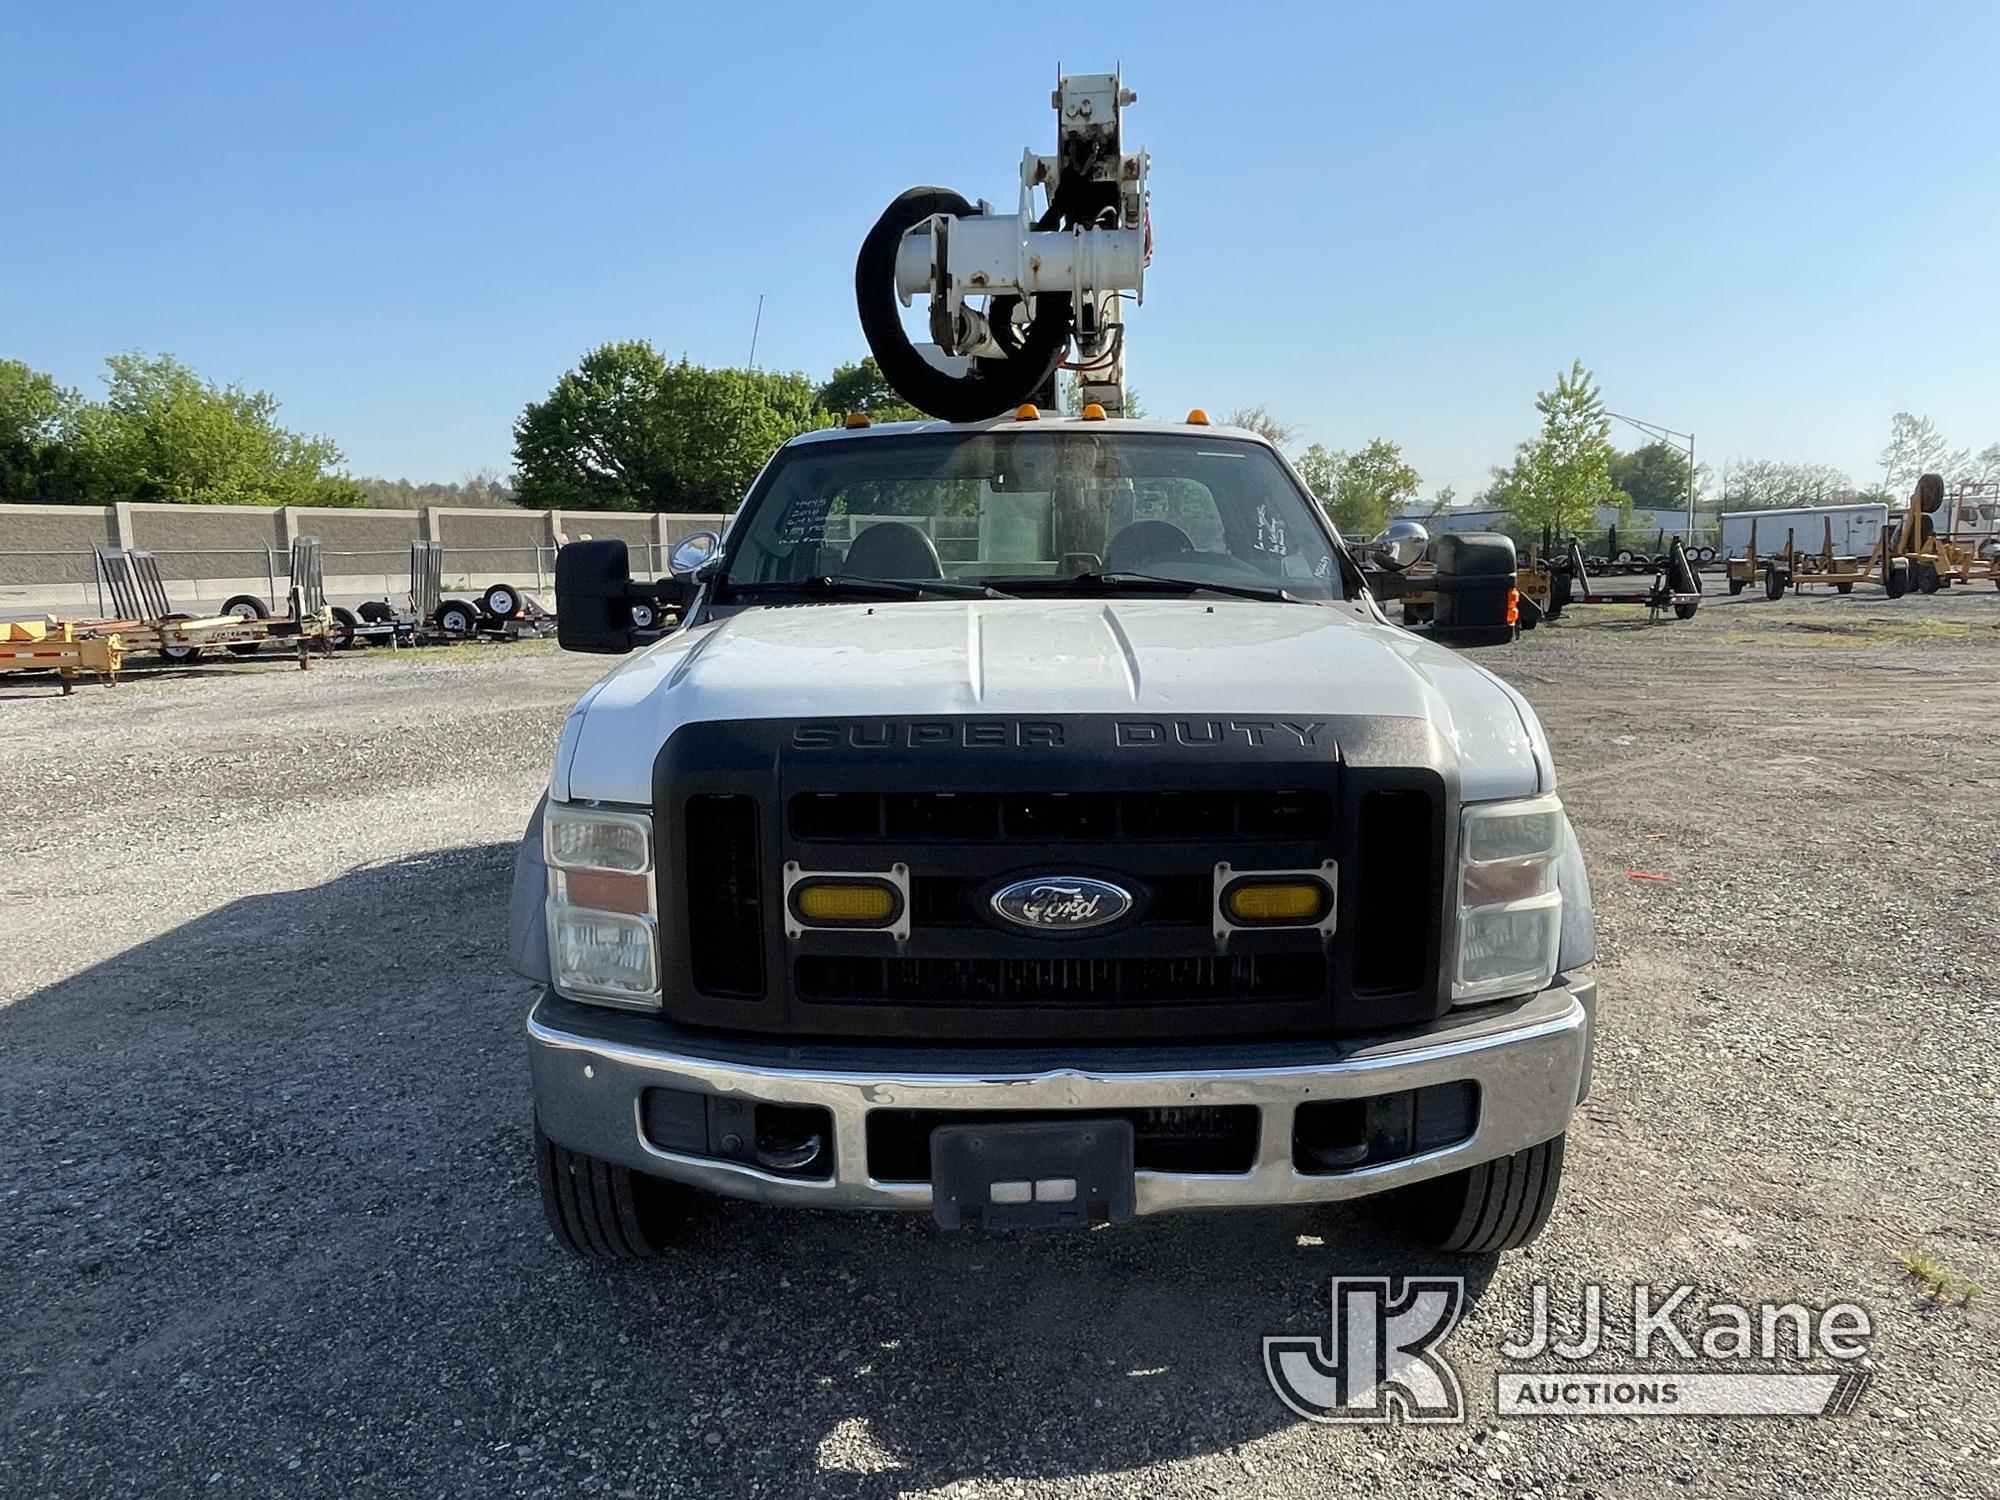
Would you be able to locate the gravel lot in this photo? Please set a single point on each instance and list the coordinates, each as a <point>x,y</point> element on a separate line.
<point>268,1224</point>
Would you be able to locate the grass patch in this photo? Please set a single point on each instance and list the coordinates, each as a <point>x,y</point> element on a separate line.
<point>1937,1280</point>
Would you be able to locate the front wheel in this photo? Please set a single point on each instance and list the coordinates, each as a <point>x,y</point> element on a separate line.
<point>456,617</point>
<point>247,607</point>
<point>178,655</point>
<point>604,1212</point>
<point>1495,1206</point>
<point>501,601</point>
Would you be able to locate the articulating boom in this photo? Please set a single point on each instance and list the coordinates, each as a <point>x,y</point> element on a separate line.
<point>1010,293</point>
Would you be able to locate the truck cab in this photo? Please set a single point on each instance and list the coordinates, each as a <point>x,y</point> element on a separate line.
<point>1037,822</point>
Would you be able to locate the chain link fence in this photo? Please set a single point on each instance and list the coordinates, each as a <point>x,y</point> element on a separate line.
<point>199,580</point>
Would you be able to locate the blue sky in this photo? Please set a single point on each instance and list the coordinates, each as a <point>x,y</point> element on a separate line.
<point>1773,224</point>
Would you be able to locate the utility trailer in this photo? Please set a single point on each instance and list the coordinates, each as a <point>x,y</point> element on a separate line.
<point>1951,543</point>
<point>45,646</point>
<point>1912,552</point>
<point>1547,583</point>
<point>1551,584</point>
<point>1625,559</point>
<point>1850,549</point>
<point>501,611</point>
<point>146,620</point>
<point>1790,567</point>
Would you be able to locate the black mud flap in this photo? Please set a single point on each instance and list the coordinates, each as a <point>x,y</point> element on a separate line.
<point>1049,1174</point>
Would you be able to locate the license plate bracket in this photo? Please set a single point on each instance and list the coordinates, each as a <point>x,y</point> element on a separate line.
<point>1043,1174</point>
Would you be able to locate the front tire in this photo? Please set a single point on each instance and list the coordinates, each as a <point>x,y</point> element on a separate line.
<point>341,634</point>
<point>605,1212</point>
<point>501,601</point>
<point>179,656</point>
<point>246,607</point>
<point>1495,1206</point>
<point>456,617</point>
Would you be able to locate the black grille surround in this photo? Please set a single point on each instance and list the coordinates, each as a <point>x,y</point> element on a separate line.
<point>971,802</point>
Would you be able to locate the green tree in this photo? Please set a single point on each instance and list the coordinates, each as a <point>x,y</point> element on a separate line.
<point>1318,467</point>
<point>1359,490</point>
<point>164,434</point>
<point>38,465</point>
<point>625,430</point>
<point>863,387</point>
<point>1560,478</point>
<point>1073,402</point>
<point>1655,477</point>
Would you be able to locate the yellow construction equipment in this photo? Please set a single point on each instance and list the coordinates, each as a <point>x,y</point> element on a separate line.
<point>59,647</point>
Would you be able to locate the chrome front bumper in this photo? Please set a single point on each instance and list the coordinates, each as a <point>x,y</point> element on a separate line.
<point>1530,1060</point>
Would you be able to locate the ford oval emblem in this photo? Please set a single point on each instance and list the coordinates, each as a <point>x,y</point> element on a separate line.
<point>1061,903</point>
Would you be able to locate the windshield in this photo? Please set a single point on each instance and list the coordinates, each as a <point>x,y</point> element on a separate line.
<point>1034,509</point>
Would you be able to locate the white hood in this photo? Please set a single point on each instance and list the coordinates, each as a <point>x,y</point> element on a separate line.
<point>1067,656</point>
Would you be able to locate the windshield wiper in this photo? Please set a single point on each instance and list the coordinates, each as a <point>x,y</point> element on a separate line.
<point>867,588</point>
<point>1269,592</point>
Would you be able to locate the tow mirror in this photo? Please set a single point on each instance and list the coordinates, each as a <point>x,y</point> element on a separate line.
<point>1477,603</point>
<point>692,552</point>
<point>1400,545</point>
<point>598,606</point>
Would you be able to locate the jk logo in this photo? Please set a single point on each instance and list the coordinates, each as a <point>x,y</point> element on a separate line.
<point>1377,1363</point>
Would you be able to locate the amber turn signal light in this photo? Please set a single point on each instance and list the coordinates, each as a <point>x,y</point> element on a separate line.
<point>1271,903</point>
<point>846,902</point>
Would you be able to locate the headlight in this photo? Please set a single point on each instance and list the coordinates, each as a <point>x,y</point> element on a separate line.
<point>1509,910</point>
<point>602,922</point>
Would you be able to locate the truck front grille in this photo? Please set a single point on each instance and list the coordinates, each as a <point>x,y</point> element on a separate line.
<point>1393,918</point>
<point>1060,981</point>
<point>725,902</point>
<point>1060,817</point>
<point>740,801</point>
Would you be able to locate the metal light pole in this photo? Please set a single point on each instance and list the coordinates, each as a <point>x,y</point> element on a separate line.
<point>1661,434</point>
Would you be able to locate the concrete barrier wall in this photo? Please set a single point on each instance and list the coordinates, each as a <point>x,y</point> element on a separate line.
<point>209,552</point>
<point>363,553</point>
<point>487,546</point>
<point>195,542</point>
<point>50,544</point>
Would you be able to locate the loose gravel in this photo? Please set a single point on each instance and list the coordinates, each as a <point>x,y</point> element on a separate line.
<point>268,1224</point>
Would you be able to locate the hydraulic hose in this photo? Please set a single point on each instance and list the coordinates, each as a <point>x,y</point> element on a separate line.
<point>992,386</point>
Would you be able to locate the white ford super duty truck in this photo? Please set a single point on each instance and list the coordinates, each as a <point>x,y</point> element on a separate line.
<point>1037,821</point>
